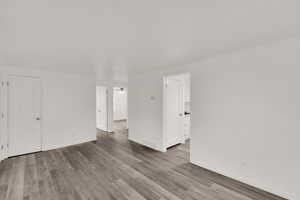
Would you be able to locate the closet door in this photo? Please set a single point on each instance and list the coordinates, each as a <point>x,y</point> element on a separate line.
<point>24,115</point>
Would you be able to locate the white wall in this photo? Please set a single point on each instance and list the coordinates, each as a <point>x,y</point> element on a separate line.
<point>120,104</point>
<point>69,111</point>
<point>245,114</point>
<point>145,110</point>
<point>68,107</point>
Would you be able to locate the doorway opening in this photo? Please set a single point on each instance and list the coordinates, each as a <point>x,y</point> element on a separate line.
<point>120,109</point>
<point>177,111</point>
<point>111,110</point>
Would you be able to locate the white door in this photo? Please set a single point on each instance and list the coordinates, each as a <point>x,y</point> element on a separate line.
<point>101,108</point>
<point>174,106</point>
<point>24,125</point>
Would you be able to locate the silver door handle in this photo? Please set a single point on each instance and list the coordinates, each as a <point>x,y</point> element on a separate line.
<point>180,114</point>
<point>38,118</point>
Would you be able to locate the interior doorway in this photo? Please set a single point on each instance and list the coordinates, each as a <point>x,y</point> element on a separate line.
<point>111,109</point>
<point>176,110</point>
<point>120,109</point>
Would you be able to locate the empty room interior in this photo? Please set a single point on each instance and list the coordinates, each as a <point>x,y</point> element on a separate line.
<point>149,100</point>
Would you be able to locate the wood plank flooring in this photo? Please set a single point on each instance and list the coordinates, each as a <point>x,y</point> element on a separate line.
<point>114,168</point>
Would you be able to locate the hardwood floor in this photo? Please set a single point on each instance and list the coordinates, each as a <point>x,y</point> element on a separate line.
<point>114,168</point>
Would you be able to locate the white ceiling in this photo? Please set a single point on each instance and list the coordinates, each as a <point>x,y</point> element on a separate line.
<point>117,36</point>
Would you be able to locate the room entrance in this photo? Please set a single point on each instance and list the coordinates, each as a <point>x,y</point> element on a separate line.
<point>120,114</point>
<point>176,110</point>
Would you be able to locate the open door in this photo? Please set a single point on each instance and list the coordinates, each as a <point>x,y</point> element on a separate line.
<point>101,108</point>
<point>24,115</point>
<point>173,112</point>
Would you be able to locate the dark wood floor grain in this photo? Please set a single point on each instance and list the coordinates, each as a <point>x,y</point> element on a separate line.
<point>114,168</point>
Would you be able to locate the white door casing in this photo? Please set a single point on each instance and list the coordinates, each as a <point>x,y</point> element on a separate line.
<point>24,115</point>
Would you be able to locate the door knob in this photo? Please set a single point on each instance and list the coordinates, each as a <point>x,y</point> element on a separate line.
<point>38,118</point>
<point>180,114</point>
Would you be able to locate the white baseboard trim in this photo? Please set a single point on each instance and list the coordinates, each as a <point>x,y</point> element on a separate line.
<point>148,144</point>
<point>48,148</point>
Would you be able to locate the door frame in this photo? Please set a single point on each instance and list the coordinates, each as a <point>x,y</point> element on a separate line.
<point>165,101</point>
<point>4,81</point>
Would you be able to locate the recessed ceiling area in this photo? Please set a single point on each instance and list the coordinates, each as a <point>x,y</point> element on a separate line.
<point>117,37</point>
